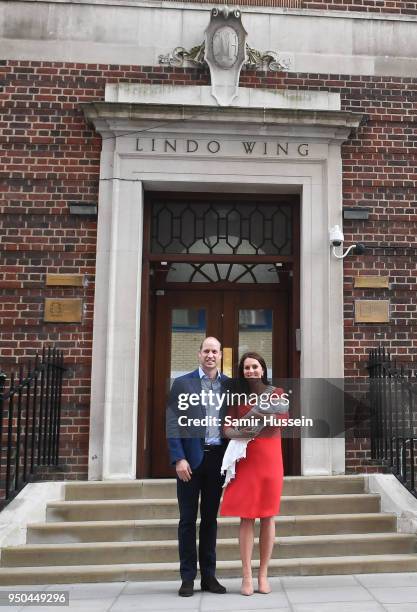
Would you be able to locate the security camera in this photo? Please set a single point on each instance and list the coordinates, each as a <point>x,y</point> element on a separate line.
<point>336,236</point>
<point>336,239</point>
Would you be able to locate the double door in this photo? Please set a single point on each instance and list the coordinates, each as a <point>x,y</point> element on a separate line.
<point>243,319</point>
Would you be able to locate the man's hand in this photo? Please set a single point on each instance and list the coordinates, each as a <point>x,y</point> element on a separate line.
<point>183,470</point>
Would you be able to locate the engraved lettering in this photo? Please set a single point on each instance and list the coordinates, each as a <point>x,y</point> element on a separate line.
<point>172,146</point>
<point>213,146</point>
<point>189,144</point>
<point>248,146</point>
<point>56,309</point>
<point>303,149</point>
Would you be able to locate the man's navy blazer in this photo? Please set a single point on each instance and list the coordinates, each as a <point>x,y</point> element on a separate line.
<point>188,442</point>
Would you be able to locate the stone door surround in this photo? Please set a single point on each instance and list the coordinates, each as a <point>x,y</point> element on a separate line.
<point>148,145</point>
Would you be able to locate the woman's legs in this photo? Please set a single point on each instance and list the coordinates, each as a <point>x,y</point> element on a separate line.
<point>246,536</point>
<point>266,544</point>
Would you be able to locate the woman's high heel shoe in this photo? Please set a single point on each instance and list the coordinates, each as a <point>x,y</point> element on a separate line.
<point>247,586</point>
<point>263,586</point>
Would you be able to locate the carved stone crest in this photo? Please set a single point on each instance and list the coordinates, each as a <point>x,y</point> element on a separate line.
<point>225,52</point>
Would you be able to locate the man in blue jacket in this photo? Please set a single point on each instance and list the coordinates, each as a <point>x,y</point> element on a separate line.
<point>196,448</point>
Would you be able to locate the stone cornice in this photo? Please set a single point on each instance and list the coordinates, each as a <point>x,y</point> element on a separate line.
<point>271,10</point>
<point>105,115</point>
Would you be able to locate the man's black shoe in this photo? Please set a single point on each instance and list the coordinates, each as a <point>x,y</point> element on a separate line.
<point>186,589</point>
<point>210,583</point>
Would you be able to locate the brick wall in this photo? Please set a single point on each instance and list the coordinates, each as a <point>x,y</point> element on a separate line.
<point>368,6</point>
<point>50,158</point>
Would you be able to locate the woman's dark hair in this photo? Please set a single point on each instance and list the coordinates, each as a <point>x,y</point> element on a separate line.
<point>258,357</point>
<point>240,384</point>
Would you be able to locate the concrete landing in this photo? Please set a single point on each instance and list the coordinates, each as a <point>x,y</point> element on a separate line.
<point>350,593</point>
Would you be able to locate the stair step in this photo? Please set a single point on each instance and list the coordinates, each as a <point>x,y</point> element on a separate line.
<point>360,564</point>
<point>128,531</point>
<point>108,510</point>
<point>166,488</point>
<point>98,553</point>
<point>167,529</point>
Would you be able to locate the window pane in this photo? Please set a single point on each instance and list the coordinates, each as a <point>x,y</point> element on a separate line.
<point>188,330</point>
<point>220,228</point>
<point>213,273</point>
<point>255,334</point>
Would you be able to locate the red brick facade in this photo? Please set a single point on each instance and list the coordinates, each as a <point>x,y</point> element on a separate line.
<point>366,6</point>
<point>50,159</point>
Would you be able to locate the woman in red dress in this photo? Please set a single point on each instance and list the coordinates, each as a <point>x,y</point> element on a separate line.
<point>255,492</point>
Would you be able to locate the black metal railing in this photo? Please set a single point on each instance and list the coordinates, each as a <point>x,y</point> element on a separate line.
<point>393,403</point>
<point>30,419</point>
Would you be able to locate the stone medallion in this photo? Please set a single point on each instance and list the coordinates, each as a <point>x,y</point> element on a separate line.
<point>225,47</point>
<point>225,53</point>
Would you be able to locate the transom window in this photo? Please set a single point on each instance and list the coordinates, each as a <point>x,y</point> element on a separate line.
<point>221,228</point>
<point>217,272</point>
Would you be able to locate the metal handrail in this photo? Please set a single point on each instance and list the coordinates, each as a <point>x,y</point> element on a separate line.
<point>30,420</point>
<point>393,403</point>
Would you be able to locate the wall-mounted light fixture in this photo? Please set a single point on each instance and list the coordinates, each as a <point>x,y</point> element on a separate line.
<point>355,213</point>
<point>83,209</point>
<point>337,238</point>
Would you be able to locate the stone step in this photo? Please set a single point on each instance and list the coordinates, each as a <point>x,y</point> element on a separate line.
<point>111,553</point>
<point>362,564</point>
<point>165,488</point>
<point>166,529</point>
<point>107,510</point>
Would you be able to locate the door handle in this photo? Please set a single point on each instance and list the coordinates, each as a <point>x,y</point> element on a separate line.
<point>228,361</point>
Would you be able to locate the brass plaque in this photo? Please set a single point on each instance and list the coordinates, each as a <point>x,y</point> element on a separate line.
<point>63,310</point>
<point>228,362</point>
<point>372,282</point>
<point>372,311</point>
<point>70,280</point>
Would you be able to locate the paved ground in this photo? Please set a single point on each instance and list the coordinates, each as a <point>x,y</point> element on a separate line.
<point>358,593</point>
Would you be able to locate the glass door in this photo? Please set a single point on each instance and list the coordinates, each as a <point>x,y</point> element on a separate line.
<point>183,320</point>
<point>242,321</point>
<point>257,320</point>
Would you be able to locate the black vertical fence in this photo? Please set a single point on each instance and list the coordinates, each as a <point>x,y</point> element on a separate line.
<point>30,418</point>
<point>393,403</point>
